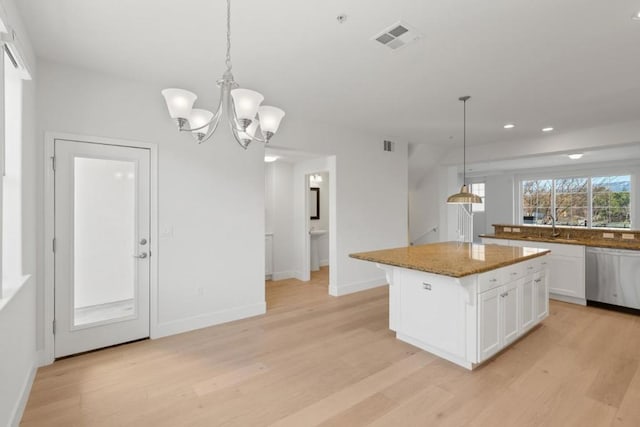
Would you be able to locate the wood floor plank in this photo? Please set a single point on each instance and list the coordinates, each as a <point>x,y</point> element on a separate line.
<point>318,360</point>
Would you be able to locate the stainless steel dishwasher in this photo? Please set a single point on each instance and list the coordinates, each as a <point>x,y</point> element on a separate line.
<point>613,277</point>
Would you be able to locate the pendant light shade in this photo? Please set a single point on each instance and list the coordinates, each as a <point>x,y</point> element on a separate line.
<point>464,196</point>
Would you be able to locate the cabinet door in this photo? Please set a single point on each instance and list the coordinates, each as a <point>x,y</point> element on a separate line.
<point>566,276</point>
<point>489,323</point>
<point>527,303</point>
<point>541,292</point>
<point>510,311</point>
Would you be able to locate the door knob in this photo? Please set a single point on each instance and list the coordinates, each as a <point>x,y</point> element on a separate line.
<point>143,241</point>
<point>142,255</point>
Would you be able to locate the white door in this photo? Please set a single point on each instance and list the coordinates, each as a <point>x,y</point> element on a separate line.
<point>102,225</point>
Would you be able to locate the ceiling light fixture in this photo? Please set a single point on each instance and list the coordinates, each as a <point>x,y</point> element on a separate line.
<point>509,126</point>
<point>270,159</point>
<point>636,17</point>
<point>576,156</point>
<point>243,110</point>
<point>549,129</point>
<point>464,196</point>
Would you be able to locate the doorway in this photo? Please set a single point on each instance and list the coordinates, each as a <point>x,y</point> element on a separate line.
<point>102,245</point>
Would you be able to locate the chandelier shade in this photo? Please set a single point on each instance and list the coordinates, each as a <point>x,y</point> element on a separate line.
<point>246,103</point>
<point>199,121</point>
<point>247,119</point>
<point>179,102</point>
<point>270,118</point>
<point>464,197</point>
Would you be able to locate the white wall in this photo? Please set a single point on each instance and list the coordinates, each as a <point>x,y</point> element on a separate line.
<point>279,217</point>
<point>368,191</point>
<point>211,196</point>
<point>18,315</point>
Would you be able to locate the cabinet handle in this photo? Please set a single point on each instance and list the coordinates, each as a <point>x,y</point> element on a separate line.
<point>515,273</point>
<point>530,267</point>
<point>544,263</point>
<point>493,280</point>
<point>426,286</point>
<point>538,280</point>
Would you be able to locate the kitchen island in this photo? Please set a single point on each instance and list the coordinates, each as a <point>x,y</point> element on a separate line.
<point>463,302</point>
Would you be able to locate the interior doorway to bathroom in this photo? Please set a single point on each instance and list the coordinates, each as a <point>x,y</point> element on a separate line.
<point>299,236</point>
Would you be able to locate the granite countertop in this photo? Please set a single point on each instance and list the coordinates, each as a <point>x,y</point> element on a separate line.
<point>596,243</point>
<point>451,258</point>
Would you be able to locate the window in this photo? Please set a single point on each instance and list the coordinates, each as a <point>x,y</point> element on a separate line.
<point>611,201</point>
<point>478,190</point>
<point>599,201</point>
<point>11,165</point>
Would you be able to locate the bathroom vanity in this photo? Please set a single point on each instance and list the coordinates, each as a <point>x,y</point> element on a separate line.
<point>463,302</point>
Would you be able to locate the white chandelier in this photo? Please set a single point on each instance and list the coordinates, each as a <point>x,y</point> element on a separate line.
<point>247,118</point>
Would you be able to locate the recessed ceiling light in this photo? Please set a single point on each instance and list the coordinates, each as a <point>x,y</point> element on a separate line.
<point>269,159</point>
<point>509,126</point>
<point>576,156</point>
<point>636,16</point>
<point>549,129</point>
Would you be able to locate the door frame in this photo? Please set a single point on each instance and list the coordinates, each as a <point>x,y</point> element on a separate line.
<point>48,355</point>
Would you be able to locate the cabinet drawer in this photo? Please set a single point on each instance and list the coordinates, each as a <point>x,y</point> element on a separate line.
<point>491,279</point>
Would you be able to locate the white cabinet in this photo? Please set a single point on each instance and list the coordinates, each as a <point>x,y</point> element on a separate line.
<point>498,318</point>
<point>566,280</point>
<point>426,301</point>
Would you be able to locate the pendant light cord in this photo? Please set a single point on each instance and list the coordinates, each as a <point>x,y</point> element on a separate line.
<point>228,58</point>
<point>464,142</point>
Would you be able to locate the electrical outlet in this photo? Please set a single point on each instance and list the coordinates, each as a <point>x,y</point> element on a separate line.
<point>507,229</point>
<point>607,235</point>
<point>628,236</point>
<point>200,291</point>
<point>516,230</point>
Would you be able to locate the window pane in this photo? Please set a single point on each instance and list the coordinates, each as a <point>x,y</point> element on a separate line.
<point>611,201</point>
<point>536,201</point>
<point>478,189</point>
<point>571,201</point>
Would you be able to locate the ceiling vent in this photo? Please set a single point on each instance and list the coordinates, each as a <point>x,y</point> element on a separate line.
<point>397,36</point>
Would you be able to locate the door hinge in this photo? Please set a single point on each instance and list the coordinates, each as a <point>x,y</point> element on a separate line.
<point>53,244</point>
<point>53,163</point>
<point>53,325</point>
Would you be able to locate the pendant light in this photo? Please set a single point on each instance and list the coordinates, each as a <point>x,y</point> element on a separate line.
<point>464,196</point>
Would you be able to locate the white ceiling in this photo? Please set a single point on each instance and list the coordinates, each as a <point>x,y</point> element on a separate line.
<point>570,64</point>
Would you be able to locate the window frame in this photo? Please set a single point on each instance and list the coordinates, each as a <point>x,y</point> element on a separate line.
<point>631,171</point>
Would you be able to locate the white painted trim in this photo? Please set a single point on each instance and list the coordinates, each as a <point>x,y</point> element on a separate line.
<point>21,403</point>
<point>324,262</point>
<point>564,298</point>
<point>47,356</point>
<point>437,351</point>
<point>350,288</point>
<point>283,275</point>
<point>209,319</point>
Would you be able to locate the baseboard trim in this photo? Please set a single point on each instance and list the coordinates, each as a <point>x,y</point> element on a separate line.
<point>283,275</point>
<point>324,262</point>
<point>209,319</point>
<point>351,288</point>
<point>564,298</point>
<point>18,409</point>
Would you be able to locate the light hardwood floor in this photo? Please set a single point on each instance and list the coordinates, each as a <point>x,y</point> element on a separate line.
<point>318,360</point>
